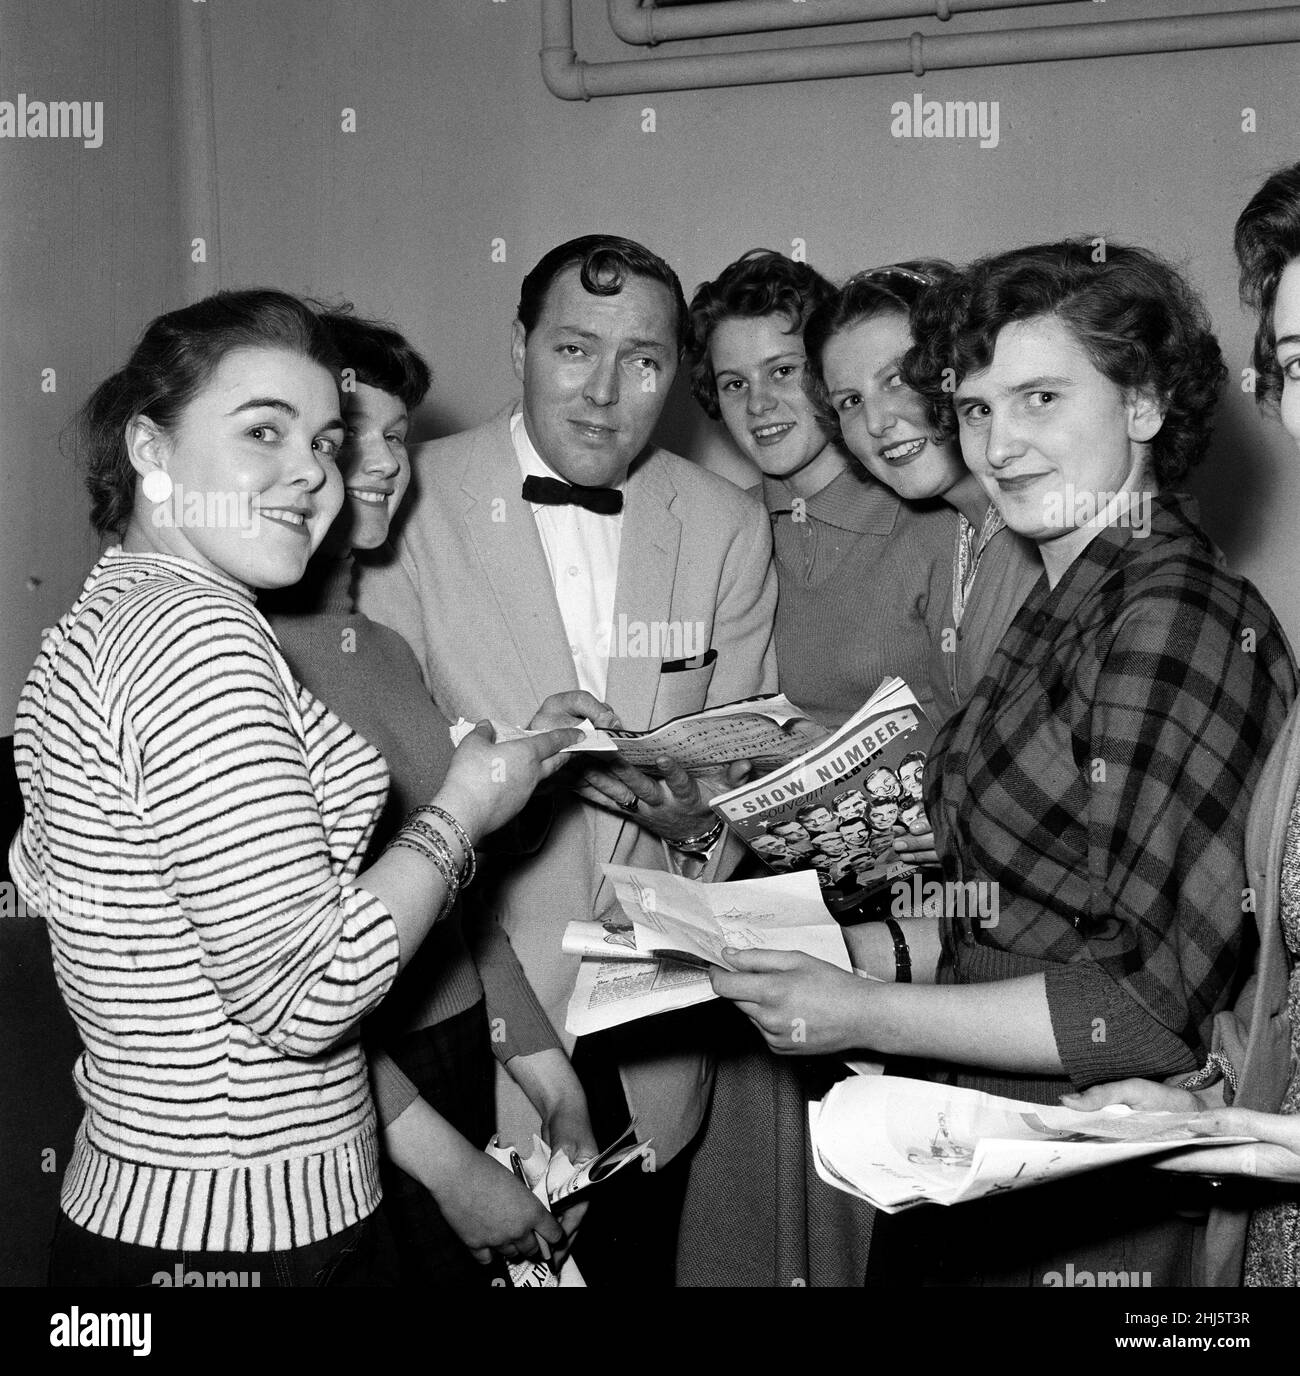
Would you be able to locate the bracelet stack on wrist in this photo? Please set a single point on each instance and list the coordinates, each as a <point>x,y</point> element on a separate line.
<point>470,867</point>
<point>421,836</point>
<point>697,845</point>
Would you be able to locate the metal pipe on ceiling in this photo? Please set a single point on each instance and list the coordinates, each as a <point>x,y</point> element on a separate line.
<point>195,137</point>
<point>570,78</point>
<point>645,23</point>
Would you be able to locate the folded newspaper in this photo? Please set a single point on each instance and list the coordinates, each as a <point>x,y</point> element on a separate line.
<point>554,1179</point>
<point>834,807</point>
<point>675,929</point>
<point>898,1143</point>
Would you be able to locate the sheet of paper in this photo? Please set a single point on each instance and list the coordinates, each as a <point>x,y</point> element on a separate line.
<point>783,912</point>
<point>608,993</point>
<point>899,1142</point>
<point>597,940</point>
<point>565,1183</point>
<point>767,731</point>
<point>593,740</point>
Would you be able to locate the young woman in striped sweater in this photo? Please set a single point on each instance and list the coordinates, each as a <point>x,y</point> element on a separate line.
<point>195,823</point>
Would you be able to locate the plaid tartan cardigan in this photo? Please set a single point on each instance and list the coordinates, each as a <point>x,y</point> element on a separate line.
<point>1100,778</point>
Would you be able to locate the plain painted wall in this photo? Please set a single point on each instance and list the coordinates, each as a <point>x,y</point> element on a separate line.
<point>458,143</point>
<point>88,254</point>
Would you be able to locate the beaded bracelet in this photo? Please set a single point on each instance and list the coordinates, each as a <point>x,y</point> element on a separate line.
<point>423,833</point>
<point>418,826</point>
<point>446,871</point>
<point>440,859</point>
<point>471,861</point>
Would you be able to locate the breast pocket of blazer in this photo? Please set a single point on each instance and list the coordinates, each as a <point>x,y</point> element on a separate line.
<point>684,685</point>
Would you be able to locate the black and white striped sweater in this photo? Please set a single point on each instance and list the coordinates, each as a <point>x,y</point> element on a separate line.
<point>194,822</point>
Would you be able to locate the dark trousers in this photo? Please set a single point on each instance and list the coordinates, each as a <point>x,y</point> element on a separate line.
<point>629,1235</point>
<point>453,1067</point>
<point>361,1255</point>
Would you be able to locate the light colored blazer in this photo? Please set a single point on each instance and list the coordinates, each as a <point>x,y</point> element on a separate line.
<point>1256,1033</point>
<point>468,586</point>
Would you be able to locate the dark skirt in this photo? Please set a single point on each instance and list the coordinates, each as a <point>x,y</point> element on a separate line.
<point>453,1067</point>
<point>756,1213</point>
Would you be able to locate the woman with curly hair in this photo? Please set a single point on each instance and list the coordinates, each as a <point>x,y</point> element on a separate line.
<point>1097,782</point>
<point>855,343</point>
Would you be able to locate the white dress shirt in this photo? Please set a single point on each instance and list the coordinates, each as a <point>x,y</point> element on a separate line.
<point>582,549</point>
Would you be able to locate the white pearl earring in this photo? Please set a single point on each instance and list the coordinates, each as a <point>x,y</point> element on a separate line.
<point>157,485</point>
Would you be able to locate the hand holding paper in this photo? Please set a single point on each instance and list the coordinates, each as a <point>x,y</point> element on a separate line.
<point>799,1005</point>
<point>680,929</point>
<point>559,1185</point>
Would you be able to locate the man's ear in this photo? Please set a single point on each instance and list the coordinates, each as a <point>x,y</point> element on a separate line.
<point>1146,414</point>
<point>518,347</point>
<point>146,446</point>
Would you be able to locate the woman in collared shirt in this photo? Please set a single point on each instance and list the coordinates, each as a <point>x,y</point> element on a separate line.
<point>1096,785</point>
<point>855,342</point>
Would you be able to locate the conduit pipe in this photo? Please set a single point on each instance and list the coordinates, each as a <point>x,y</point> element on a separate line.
<point>645,23</point>
<point>196,149</point>
<point>570,78</point>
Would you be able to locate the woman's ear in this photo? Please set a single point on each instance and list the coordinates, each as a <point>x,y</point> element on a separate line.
<point>146,446</point>
<point>1146,414</point>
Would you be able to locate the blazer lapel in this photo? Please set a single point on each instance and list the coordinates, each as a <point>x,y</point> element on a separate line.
<point>646,568</point>
<point>647,565</point>
<point>502,530</point>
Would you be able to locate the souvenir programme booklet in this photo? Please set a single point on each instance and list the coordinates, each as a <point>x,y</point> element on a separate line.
<point>898,1143</point>
<point>834,807</point>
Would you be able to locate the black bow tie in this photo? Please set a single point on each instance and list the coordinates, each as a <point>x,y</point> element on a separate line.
<point>604,501</point>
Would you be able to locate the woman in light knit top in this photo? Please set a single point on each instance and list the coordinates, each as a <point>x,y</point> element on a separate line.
<point>862,576</point>
<point>195,824</point>
<point>855,342</point>
<point>432,1042</point>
